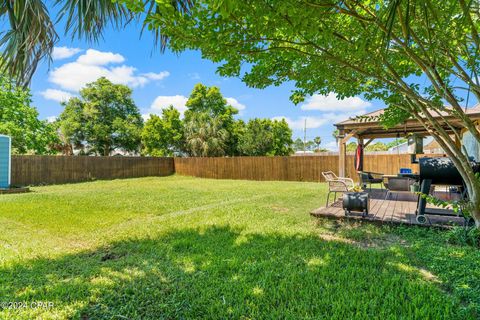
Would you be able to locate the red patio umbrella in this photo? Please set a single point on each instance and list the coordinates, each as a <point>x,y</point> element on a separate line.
<point>359,158</point>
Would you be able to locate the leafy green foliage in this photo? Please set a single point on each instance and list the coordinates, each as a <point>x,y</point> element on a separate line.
<point>462,206</point>
<point>377,146</point>
<point>257,139</point>
<point>206,136</point>
<point>282,138</point>
<point>317,141</point>
<point>266,137</point>
<point>163,136</point>
<point>464,236</point>
<point>396,142</point>
<point>298,145</point>
<point>208,123</point>
<point>210,101</point>
<point>467,235</point>
<point>351,146</point>
<point>19,120</point>
<point>309,145</point>
<point>393,116</point>
<point>71,126</point>
<point>335,134</point>
<point>105,118</point>
<point>201,248</point>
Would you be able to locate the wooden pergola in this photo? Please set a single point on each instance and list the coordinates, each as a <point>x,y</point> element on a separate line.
<point>366,130</point>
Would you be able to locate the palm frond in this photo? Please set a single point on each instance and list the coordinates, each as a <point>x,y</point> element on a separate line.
<point>87,19</point>
<point>31,37</point>
<point>391,14</point>
<point>152,8</point>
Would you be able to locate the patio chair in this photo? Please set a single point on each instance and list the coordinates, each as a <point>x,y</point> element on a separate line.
<point>337,184</point>
<point>369,178</point>
<point>398,185</point>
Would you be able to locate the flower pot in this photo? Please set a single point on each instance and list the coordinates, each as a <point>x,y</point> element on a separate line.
<point>414,188</point>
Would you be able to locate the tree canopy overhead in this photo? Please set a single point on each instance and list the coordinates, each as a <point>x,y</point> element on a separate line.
<point>349,47</point>
<point>30,34</point>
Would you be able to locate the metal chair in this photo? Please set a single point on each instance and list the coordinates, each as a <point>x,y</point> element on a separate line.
<point>337,184</point>
<point>330,175</point>
<point>369,178</point>
<point>398,185</point>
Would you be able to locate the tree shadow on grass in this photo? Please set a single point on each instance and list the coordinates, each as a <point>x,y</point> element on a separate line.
<point>220,273</point>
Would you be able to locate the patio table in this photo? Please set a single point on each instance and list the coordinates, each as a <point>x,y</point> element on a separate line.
<point>409,175</point>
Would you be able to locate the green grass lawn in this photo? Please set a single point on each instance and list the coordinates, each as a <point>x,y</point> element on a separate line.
<point>179,247</point>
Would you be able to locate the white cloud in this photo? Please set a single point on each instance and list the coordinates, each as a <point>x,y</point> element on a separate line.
<point>318,121</point>
<point>100,58</point>
<point>51,119</point>
<point>162,102</point>
<point>194,76</point>
<point>56,95</point>
<point>156,76</point>
<point>332,146</point>
<point>94,64</point>
<point>234,103</point>
<point>331,103</point>
<point>299,123</point>
<point>333,117</point>
<point>64,52</point>
<point>146,116</point>
<point>179,102</point>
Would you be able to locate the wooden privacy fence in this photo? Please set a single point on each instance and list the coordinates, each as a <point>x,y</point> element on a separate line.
<point>297,168</point>
<point>34,170</point>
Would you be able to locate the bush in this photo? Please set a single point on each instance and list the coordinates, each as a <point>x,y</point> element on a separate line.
<point>464,236</point>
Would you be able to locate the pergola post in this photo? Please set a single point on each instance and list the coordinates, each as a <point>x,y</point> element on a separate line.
<point>342,155</point>
<point>342,152</point>
<point>360,143</point>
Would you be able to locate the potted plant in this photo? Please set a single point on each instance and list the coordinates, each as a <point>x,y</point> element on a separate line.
<point>415,187</point>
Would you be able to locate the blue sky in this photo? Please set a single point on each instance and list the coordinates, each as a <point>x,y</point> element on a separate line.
<point>160,79</point>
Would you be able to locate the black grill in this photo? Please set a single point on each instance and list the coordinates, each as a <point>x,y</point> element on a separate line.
<point>440,171</point>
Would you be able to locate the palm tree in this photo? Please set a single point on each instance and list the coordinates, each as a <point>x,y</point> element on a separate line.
<point>317,141</point>
<point>206,136</point>
<point>31,35</point>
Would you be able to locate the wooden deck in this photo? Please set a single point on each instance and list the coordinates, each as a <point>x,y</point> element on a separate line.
<point>398,209</point>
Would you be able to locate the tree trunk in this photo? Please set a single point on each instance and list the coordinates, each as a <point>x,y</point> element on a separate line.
<point>474,202</point>
<point>106,149</point>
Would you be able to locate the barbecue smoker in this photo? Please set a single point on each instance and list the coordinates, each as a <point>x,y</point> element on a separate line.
<point>438,171</point>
